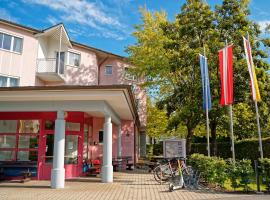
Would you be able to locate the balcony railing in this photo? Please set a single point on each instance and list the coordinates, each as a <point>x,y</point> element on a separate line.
<point>50,65</point>
<point>49,70</point>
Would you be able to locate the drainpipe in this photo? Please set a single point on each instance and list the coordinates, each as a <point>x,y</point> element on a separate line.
<point>106,58</point>
<point>60,43</point>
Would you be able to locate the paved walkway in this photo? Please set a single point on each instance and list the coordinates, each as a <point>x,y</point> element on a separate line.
<point>126,186</point>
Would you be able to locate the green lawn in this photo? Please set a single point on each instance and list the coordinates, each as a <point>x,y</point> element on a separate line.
<point>252,186</point>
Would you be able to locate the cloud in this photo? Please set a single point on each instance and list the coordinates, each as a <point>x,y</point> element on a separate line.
<point>84,13</point>
<point>263,24</point>
<point>52,20</point>
<point>4,14</point>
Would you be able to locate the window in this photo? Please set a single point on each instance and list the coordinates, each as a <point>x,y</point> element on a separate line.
<point>100,137</point>
<point>11,43</point>
<point>19,140</point>
<point>74,59</point>
<point>17,45</point>
<point>72,126</point>
<point>129,75</point>
<point>108,70</point>
<point>71,149</point>
<point>6,81</point>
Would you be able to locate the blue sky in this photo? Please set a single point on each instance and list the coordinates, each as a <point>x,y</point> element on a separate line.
<point>104,24</point>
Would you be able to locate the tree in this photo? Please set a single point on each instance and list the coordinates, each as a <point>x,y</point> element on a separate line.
<point>157,121</point>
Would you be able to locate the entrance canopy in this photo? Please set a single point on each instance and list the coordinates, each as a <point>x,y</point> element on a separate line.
<point>116,101</point>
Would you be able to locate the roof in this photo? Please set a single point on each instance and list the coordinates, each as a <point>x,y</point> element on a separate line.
<point>36,31</point>
<point>69,88</point>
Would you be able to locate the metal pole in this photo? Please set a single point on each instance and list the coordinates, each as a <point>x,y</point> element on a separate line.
<point>232,136</point>
<point>257,117</point>
<point>230,106</point>
<point>60,43</point>
<point>259,130</point>
<point>206,105</point>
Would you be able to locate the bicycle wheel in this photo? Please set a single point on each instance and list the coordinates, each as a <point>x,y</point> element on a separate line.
<point>162,173</point>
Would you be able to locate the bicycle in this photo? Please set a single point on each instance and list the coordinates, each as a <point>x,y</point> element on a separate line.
<point>169,169</point>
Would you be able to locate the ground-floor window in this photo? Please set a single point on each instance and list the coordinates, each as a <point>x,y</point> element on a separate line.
<point>19,140</point>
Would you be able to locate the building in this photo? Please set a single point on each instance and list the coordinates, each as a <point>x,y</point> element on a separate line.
<point>63,103</point>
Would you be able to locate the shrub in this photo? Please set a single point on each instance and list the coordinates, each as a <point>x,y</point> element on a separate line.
<point>265,171</point>
<point>212,169</point>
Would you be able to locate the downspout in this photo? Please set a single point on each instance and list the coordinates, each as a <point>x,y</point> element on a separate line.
<point>98,71</point>
<point>60,43</point>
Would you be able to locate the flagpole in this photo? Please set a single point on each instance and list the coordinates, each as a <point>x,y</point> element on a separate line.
<point>257,119</point>
<point>259,130</point>
<point>230,108</point>
<point>206,105</point>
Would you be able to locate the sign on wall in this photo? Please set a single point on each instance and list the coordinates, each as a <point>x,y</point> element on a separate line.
<point>174,148</point>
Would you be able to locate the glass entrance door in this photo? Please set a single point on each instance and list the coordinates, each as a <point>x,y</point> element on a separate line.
<point>72,156</point>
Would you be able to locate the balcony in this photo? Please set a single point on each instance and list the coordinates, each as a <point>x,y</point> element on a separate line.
<point>48,70</point>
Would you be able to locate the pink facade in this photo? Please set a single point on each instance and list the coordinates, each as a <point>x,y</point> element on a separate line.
<point>38,65</point>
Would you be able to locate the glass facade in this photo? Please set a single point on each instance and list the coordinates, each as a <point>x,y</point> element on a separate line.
<point>19,140</point>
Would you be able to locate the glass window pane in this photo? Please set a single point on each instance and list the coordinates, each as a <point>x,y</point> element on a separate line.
<point>71,126</point>
<point>86,141</point>
<point>28,141</point>
<point>8,126</point>
<point>13,82</point>
<point>1,39</point>
<point>17,45</point>
<point>28,126</point>
<point>7,141</point>
<point>3,81</point>
<point>108,70</point>
<point>71,149</point>
<point>7,42</point>
<point>100,137</point>
<point>49,125</point>
<point>49,148</point>
<point>7,155</point>
<point>74,59</point>
<point>27,156</point>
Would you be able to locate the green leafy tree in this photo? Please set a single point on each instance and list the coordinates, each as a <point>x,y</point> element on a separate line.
<point>157,121</point>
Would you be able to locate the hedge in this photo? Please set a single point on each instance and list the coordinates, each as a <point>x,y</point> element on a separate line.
<point>248,149</point>
<point>216,170</point>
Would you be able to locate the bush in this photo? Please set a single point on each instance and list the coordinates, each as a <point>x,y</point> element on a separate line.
<point>216,170</point>
<point>247,149</point>
<point>212,169</point>
<point>265,171</point>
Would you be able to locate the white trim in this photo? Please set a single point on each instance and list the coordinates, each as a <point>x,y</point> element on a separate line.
<point>8,80</point>
<point>12,42</point>
<point>74,52</point>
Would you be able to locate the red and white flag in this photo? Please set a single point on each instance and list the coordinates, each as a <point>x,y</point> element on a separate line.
<point>226,75</point>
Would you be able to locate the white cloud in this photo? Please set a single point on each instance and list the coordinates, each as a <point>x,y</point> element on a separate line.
<point>84,13</point>
<point>4,14</point>
<point>52,20</point>
<point>263,24</point>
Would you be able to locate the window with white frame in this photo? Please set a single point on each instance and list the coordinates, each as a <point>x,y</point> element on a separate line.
<point>11,43</point>
<point>6,81</point>
<point>108,70</point>
<point>74,59</point>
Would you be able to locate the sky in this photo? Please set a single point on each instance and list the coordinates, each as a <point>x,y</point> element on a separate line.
<point>103,24</point>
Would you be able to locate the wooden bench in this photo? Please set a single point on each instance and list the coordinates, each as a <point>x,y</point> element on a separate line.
<point>24,170</point>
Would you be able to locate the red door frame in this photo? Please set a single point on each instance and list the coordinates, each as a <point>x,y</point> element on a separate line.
<point>79,117</point>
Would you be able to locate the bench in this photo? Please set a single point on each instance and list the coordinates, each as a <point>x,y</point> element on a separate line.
<point>123,160</point>
<point>25,170</point>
